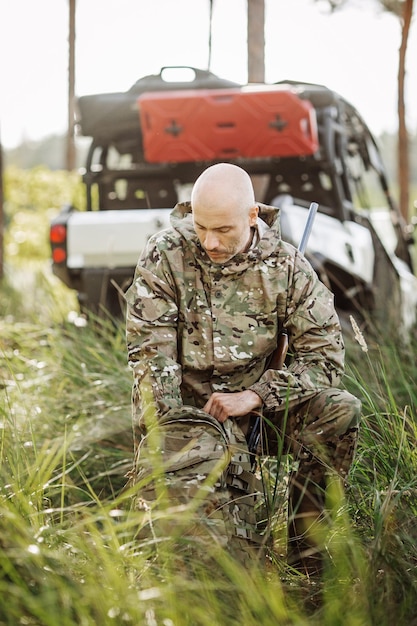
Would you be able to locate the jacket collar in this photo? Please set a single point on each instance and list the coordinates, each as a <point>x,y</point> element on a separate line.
<point>269,235</point>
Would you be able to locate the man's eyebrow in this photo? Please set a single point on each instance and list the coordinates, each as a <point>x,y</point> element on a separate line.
<point>217,228</point>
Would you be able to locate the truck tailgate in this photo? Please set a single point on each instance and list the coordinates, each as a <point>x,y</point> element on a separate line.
<point>111,238</point>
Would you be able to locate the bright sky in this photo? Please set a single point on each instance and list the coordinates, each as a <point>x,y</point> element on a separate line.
<point>354,52</point>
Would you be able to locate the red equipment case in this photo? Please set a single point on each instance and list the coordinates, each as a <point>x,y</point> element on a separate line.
<point>202,125</point>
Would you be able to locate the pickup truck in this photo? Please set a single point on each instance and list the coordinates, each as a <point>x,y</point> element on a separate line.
<point>299,142</point>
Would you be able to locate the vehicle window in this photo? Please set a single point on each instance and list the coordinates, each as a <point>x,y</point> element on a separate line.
<point>367,190</point>
<point>368,194</point>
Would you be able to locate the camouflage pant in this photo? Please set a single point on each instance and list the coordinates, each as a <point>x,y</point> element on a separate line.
<point>321,435</point>
<point>195,480</point>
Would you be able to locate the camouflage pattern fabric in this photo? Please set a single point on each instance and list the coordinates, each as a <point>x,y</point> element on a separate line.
<point>194,327</point>
<point>194,479</point>
<point>321,435</point>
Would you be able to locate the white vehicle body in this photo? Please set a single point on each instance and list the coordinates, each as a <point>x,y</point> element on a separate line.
<point>151,143</point>
<point>111,238</point>
<point>349,245</point>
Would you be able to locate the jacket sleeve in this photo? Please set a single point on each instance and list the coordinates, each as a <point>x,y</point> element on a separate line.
<point>315,342</point>
<point>151,336</point>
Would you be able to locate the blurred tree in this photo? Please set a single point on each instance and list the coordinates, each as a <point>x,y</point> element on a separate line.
<point>210,33</point>
<point>256,41</point>
<point>1,212</point>
<point>403,10</point>
<point>70,154</point>
<point>49,151</point>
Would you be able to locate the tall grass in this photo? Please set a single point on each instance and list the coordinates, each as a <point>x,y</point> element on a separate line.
<point>71,548</point>
<point>384,481</point>
<point>68,532</point>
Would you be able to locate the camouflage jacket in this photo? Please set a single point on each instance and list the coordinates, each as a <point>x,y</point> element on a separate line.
<point>194,327</point>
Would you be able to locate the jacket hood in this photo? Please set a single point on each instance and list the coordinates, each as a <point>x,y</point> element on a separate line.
<point>270,236</point>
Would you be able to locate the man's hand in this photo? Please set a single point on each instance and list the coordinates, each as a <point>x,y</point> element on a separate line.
<point>224,405</point>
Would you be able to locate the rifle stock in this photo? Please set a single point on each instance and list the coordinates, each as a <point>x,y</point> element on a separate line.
<point>280,352</point>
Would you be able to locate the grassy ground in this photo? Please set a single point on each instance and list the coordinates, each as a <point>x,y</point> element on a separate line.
<point>69,553</point>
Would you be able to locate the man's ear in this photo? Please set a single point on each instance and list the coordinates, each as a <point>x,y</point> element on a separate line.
<point>253,215</point>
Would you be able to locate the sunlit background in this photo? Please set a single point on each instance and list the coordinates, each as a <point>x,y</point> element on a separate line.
<point>353,51</point>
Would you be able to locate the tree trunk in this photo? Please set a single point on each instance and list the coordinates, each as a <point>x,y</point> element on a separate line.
<point>210,34</point>
<point>70,157</point>
<point>1,214</point>
<point>256,41</point>
<point>403,143</point>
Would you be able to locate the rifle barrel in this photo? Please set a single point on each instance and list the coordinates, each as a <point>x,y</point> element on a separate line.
<point>309,225</point>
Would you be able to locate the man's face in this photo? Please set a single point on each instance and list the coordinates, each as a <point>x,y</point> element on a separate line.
<point>224,232</point>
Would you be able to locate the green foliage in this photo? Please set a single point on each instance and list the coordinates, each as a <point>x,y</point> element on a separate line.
<point>384,481</point>
<point>39,189</point>
<point>32,198</point>
<point>68,531</point>
<point>70,551</point>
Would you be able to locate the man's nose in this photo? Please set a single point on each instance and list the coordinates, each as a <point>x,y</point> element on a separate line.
<point>211,241</point>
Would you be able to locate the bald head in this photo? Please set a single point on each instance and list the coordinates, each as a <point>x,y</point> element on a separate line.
<point>224,210</point>
<point>223,184</point>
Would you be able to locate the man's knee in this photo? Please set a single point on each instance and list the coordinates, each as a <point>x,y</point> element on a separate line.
<point>336,411</point>
<point>348,406</point>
